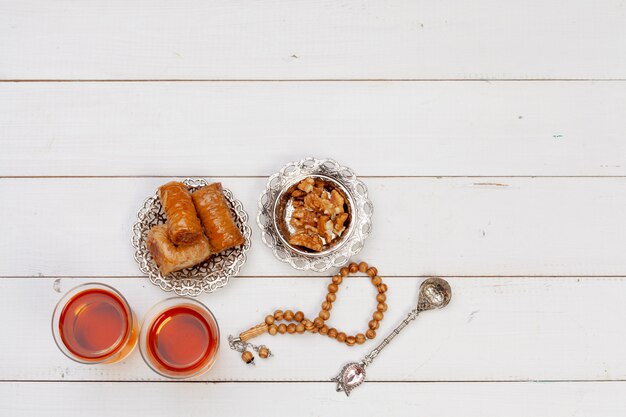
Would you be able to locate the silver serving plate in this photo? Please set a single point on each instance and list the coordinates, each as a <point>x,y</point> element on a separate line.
<point>273,214</point>
<point>207,276</point>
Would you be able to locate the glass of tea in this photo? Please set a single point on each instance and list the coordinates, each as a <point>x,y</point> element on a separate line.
<point>93,323</point>
<point>180,338</point>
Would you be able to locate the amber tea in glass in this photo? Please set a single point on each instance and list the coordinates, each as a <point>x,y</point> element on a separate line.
<point>180,338</point>
<point>93,323</point>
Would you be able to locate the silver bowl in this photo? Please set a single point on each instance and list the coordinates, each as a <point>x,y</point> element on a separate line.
<point>207,276</point>
<point>272,215</point>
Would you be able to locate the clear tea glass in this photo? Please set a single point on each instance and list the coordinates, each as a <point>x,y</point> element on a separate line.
<point>179,338</point>
<point>93,323</point>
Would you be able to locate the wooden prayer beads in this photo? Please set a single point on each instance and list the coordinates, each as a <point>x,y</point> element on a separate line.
<point>298,323</point>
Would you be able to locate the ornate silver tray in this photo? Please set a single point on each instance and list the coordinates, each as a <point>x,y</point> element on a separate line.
<point>269,212</point>
<point>205,277</point>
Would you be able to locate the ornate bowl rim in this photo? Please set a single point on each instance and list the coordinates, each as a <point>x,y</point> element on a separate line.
<point>337,245</point>
<point>361,224</point>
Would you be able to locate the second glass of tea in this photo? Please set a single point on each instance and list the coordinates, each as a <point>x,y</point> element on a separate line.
<point>180,338</point>
<point>93,323</point>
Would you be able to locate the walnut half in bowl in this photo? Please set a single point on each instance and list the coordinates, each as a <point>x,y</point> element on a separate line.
<point>313,215</point>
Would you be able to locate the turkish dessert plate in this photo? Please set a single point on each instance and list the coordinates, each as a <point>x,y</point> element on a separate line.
<point>191,236</point>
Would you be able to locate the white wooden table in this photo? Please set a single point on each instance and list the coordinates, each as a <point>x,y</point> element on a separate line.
<point>491,135</point>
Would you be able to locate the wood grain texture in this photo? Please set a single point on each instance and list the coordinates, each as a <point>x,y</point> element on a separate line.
<point>513,189</point>
<point>376,128</point>
<point>354,39</point>
<point>495,329</point>
<point>422,226</point>
<point>315,399</point>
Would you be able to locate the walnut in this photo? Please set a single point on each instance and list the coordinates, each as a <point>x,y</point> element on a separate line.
<point>306,185</point>
<point>318,191</point>
<point>319,215</point>
<point>302,217</point>
<point>309,228</point>
<point>339,223</point>
<point>338,201</point>
<point>308,240</point>
<point>325,228</point>
<point>317,203</point>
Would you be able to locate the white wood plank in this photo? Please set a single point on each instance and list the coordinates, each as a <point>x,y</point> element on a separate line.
<point>352,39</point>
<point>509,329</point>
<point>448,226</point>
<point>314,399</point>
<point>376,128</point>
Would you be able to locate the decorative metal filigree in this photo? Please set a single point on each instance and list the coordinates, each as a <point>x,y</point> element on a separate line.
<point>360,226</point>
<point>351,376</point>
<point>207,276</point>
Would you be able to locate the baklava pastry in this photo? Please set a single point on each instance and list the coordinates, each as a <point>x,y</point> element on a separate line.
<point>216,218</point>
<point>170,257</point>
<point>183,225</point>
